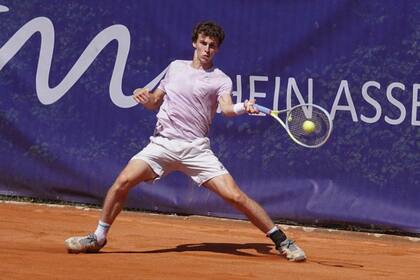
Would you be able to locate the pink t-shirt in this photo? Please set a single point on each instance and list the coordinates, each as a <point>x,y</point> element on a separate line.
<point>191,100</point>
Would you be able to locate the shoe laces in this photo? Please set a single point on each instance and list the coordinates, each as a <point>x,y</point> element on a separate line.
<point>90,239</point>
<point>289,244</point>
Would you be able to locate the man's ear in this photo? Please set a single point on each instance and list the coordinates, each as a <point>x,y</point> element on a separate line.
<point>194,45</point>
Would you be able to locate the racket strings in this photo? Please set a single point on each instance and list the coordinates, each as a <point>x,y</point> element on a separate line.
<point>322,126</point>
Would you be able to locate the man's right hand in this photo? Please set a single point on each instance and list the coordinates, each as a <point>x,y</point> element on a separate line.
<point>141,95</point>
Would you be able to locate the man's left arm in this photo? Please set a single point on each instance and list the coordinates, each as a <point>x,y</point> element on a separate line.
<point>230,110</point>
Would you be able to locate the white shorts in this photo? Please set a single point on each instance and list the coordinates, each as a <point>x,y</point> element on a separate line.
<point>195,159</point>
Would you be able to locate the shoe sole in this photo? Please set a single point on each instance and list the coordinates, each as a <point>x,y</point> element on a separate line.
<point>297,259</point>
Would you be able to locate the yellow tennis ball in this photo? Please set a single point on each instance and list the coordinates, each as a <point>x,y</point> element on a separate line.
<point>308,126</point>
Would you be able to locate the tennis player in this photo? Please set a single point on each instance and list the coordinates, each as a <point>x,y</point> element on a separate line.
<point>187,99</point>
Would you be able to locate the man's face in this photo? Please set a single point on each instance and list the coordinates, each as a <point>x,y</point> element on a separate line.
<point>206,47</point>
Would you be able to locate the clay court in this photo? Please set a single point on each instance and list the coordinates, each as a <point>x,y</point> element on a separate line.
<point>151,246</point>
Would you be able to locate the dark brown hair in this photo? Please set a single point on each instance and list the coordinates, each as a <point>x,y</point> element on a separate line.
<point>209,28</point>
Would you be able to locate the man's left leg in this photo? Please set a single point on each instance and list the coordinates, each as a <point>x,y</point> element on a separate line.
<point>226,187</point>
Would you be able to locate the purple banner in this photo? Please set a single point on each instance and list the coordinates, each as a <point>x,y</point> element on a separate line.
<point>68,124</point>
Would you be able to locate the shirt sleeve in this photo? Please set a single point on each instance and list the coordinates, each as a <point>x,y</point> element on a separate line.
<point>225,88</point>
<point>165,79</point>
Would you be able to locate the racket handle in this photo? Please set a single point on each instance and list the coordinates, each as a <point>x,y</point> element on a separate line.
<point>262,109</point>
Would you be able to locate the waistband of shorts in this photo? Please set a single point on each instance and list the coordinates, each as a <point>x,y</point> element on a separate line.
<point>181,140</point>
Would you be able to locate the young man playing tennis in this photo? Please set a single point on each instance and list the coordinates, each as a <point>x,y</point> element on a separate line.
<point>187,99</point>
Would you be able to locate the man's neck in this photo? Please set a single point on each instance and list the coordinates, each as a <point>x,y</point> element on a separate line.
<point>196,64</point>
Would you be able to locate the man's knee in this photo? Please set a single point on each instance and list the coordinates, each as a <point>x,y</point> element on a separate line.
<point>134,173</point>
<point>123,183</point>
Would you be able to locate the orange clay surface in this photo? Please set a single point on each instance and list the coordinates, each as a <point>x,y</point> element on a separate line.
<point>150,246</point>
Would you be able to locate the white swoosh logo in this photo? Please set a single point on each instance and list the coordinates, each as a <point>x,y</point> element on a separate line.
<point>3,9</point>
<point>45,27</point>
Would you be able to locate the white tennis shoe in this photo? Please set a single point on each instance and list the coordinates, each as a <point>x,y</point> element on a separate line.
<point>83,244</point>
<point>291,251</point>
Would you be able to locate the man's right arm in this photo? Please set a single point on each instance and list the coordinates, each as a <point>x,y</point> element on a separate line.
<point>149,100</point>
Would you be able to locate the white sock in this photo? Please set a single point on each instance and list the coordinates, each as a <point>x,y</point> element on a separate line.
<point>101,231</point>
<point>275,228</point>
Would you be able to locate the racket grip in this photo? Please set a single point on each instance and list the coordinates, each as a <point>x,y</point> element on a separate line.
<point>262,109</point>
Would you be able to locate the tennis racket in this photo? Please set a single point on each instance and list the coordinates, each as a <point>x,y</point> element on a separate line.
<point>308,125</point>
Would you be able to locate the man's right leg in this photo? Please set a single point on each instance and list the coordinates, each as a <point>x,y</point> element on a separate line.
<point>135,172</point>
